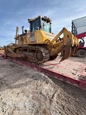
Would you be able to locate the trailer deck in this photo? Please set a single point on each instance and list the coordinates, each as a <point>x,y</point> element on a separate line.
<point>70,71</point>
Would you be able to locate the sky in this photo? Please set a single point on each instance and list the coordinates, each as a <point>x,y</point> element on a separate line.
<point>17,12</point>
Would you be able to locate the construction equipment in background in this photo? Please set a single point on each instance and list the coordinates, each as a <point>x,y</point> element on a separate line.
<point>79,30</point>
<point>39,44</point>
<point>81,52</point>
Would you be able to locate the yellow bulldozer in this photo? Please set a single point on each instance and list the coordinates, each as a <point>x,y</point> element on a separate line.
<point>39,44</point>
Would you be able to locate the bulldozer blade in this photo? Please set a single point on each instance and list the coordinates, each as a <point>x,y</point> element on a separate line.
<point>10,53</point>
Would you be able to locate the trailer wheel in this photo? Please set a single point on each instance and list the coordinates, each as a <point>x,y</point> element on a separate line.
<point>81,53</point>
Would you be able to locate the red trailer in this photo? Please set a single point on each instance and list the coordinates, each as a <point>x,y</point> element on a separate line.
<point>82,45</point>
<point>79,30</point>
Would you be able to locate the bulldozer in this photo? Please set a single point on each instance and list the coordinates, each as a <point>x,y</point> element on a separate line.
<point>39,44</point>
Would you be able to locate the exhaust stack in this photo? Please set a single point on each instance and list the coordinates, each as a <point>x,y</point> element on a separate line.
<point>22,29</point>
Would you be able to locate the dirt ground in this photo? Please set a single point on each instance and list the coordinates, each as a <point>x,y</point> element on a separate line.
<point>24,91</point>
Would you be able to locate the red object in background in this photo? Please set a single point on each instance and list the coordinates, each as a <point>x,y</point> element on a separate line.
<point>79,26</point>
<point>81,52</point>
<point>81,40</point>
<point>81,35</point>
<point>81,43</point>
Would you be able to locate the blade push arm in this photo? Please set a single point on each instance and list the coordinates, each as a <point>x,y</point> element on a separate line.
<point>64,41</point>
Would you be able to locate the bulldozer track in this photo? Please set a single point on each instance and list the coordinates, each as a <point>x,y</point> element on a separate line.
<point>35,54</point>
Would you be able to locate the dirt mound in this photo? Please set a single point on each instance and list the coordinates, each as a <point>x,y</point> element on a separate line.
<point>24,91</point>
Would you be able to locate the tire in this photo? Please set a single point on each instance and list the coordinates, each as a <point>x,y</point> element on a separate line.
<point>81,53</point>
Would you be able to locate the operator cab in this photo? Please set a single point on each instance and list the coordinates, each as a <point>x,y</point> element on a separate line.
<point>40,23</point>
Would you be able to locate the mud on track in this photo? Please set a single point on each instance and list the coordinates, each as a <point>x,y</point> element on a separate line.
<point>24,91</point>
